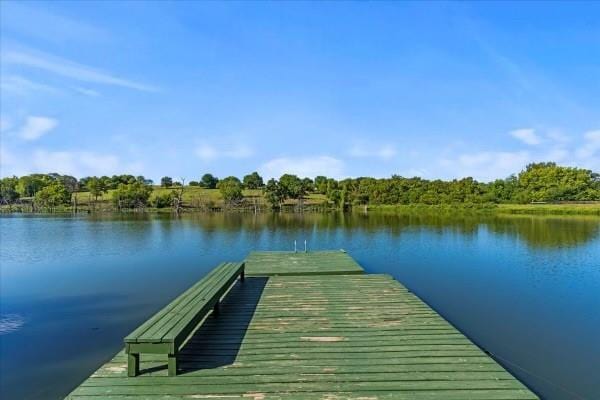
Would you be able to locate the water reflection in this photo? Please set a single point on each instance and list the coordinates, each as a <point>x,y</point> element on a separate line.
<point>535,231</point>
<point>517,285</point>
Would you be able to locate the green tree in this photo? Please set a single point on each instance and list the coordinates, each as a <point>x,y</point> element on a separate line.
<point>502,190</point>
<point>291,187</point>
<point>70,182</point>
<point>144,180</point>
<point>125,179</point>
<point>53,195</point>
<point>321,184</point>
<point>538,182</point>
<point>208,181</point>
<point>166,181</point>
<point>132,195</point>
<point>29,185</point>
<point>363,191</point>
<point>96,186</point>
<point>253,181</point>
<point>163,200</point>
<point>231,189</point>
<point>108,182</point>
<point>331,191</point>
<point>273,194</point>
<point>308,185</point>
<point>548,182</point>
<point>8,190</point>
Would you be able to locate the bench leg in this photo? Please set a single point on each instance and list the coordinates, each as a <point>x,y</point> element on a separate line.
<point>217,308</point>
<point>172,364</point>
<point>242,276</point>
<point>133,364</point>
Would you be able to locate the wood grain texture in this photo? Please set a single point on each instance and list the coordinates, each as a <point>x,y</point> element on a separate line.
<point>282,263</point>
<point>325,337</point>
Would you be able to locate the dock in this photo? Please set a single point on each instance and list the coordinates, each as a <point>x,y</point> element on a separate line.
<point>280,263</point>
<point>315,326</point>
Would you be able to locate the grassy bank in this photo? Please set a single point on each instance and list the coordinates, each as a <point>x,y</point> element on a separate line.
<point>578,209</point>
<point>197,199</point>
<point>530,209</point>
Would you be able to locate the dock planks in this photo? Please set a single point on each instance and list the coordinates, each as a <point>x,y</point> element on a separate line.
<point>287,263</point>
<point>316,337</point>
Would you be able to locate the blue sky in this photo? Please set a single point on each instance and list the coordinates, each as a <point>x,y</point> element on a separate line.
<point>438,90</point>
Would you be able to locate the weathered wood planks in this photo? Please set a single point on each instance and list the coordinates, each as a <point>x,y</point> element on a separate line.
<point>164,332</point>
<point>271,263</point>
<point>316,337</point>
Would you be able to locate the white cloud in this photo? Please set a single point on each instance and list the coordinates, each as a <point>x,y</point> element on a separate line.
<point>80,163</point>
<point>5,124</point>
<point>206,153</point>
<point>590,146</point>
<point>91,161</point>
<point>486,165</point>
<point>558,154</point>
<point>32,20</point>
<point>209,153</point>
<point>558,137</point>
<point>489,165</point>
<point>363,150</point>
<point>303,167</point>
<point>527,136</point>
<point>62,162</point>
<point>6,157</point>
<point>36,127</point>
<point>10,164</point>
<point>69,69</point>
<point>412,172</point>
<point>87,92</point>
<point>22,86</point>
<point>71,162</point>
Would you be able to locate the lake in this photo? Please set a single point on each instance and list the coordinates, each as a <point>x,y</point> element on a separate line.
<point>526,289</point>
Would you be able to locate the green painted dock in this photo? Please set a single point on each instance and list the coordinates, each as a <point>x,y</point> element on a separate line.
<point>281,335</point>
<point>280,263</point>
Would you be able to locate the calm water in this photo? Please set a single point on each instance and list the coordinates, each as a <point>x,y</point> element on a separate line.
<point>526,289</point>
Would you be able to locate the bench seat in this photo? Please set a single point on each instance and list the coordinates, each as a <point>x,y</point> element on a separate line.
<point>167,330</point>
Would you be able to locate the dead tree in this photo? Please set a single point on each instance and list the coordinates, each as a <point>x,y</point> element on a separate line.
<point>178,198</point>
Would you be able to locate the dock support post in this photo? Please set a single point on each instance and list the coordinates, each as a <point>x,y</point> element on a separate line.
<point>133,364</point>
<point>172,364</point>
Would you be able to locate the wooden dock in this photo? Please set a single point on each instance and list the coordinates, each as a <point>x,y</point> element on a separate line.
<point>279,263</point>
<point>281,335</point>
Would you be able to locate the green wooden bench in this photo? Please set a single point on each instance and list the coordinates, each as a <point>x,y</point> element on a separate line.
<point>167,330</point>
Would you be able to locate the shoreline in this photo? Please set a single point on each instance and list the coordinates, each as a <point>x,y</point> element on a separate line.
<point>502,209</point>
<point>590,209</point>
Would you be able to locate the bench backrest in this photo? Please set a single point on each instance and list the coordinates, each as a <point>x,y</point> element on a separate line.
<point>178,319</point>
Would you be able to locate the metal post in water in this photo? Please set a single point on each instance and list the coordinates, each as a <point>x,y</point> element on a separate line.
<point>305,245</point>
<point>295,250</point>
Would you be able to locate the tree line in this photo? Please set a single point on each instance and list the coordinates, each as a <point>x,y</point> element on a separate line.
<point>538,182</point>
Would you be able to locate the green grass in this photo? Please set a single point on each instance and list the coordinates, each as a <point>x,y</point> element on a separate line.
<point>194,196</point>
<point>199,198</point>
<point>189,194</point>
<point>532,209</point>
<point>581,209</point>
<point>432,209</point>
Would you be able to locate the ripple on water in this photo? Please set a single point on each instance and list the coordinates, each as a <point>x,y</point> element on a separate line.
<point>11,323</point>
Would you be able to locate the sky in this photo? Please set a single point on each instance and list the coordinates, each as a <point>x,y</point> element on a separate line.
<point>342,89</point>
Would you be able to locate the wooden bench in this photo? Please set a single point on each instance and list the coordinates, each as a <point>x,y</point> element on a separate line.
<point>167,330</point>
